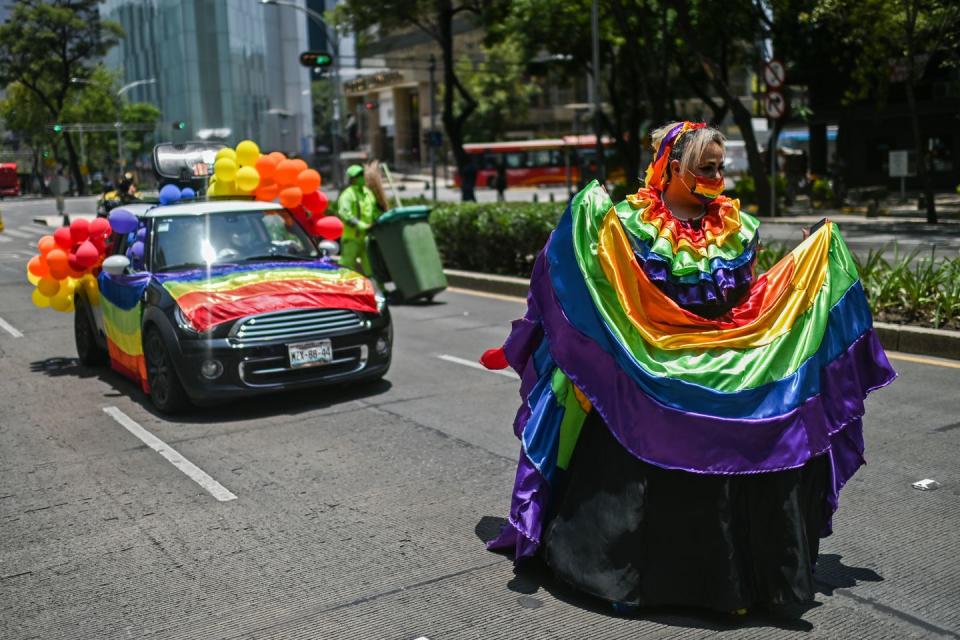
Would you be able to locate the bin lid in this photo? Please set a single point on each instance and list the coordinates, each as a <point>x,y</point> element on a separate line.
<point>414,212</point>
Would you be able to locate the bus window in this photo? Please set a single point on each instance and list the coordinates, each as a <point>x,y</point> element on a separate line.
<point>516,160</point>
<point>541,159</point>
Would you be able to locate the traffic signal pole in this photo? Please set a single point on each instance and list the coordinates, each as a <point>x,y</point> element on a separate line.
<point>433,126</point>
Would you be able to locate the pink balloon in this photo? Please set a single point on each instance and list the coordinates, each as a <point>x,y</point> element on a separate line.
<point>87,255</point>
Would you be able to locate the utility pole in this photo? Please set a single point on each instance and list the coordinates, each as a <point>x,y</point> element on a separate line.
<point>433,126</point>
<point>595,82</point>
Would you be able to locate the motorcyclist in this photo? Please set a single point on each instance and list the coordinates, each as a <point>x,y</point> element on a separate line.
<point>357,208</point>
<point>125,192</point>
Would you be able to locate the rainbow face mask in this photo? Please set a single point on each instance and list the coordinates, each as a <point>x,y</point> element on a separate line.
<point>707,189</point>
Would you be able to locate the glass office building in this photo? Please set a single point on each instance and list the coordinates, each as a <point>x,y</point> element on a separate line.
<point>228,69</point>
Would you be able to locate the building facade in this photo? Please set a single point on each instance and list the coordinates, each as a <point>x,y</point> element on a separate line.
<point>229,70</point>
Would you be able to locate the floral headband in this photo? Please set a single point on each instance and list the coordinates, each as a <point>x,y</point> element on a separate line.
<point>657,171</point>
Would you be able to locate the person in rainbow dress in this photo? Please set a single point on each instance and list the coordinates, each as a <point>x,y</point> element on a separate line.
<point>686,423</point>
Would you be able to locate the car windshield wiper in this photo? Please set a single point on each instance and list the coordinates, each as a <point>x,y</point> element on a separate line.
<point>281,257</point>
<point>192,265</point>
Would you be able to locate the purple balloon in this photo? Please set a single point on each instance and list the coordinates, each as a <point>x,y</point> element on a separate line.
<point>123,221</point>
<point>137,251</point>
<point>141,234</point>
<point>170,194</point>
<point>188,194</point>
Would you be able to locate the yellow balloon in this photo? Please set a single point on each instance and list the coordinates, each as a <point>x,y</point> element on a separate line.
<point>62,302</point>
<point>223,188</point>
<point>247,153</point>
<point>226,152</point>
<point>39,299</point>
<point>32,279</point>
<point>247,179</point>
<point>225,169</point>
<point>70,285</point>
<point>93,294</point>
<point>48,286</point>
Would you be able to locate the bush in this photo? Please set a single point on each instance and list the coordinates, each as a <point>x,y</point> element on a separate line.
<point>746,189</point>
<point>822,191</point>
<point>502,238</point>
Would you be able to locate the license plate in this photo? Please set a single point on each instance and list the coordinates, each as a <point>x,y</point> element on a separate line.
<point>306,354</point>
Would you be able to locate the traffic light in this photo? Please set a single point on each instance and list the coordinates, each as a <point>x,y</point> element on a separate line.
<point>316,59</point>
<point>179,125</point>
<point>58,128</point>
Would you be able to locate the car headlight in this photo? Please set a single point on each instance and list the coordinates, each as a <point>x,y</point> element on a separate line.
<point>379,296</point>
<point>183,322</point>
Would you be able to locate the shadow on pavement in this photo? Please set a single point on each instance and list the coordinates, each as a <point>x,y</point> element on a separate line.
<point>292,402</point>
<point>533,575</point>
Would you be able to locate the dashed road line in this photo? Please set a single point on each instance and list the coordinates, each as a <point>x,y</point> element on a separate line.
<point>17,233</point>
<point>4,238</point>
<point>476,365</point>
<point>487,294</point>
<point>192,471</point>
<point>9,328</point>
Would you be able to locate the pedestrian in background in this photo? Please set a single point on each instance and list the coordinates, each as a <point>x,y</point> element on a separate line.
<point>500,180</point>
<point>469,179</point>
<point>357,208</point>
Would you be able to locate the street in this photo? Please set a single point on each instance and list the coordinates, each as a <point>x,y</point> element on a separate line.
<point>361,512</point>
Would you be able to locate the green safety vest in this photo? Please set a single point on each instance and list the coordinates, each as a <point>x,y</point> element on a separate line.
<point>360,203</point>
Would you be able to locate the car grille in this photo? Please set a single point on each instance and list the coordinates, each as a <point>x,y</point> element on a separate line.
<point>275,371</point>
<point>294,325</point>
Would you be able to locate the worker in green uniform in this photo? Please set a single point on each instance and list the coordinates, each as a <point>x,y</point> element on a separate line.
<point>357,208</point>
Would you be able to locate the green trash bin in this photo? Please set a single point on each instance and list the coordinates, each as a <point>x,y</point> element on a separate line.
<point>404,248</point>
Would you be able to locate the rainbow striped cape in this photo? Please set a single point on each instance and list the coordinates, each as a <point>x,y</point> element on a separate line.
<point>122,316</point>
<point>775,379</point>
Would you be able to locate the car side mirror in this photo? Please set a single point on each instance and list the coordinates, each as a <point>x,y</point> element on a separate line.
<point>116,265</point>
<point>329,247</point>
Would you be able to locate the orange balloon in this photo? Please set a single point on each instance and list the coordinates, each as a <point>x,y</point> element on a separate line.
<point>303,166</point>
<point>267,192</point>
<point>46,244</point>
<point>38,267</point>
<point>286,173</point>
<point>57,258</point>
<point>265,166</point>
<point>308,180</point>
<point>291,197</point>
<point>277,156</point>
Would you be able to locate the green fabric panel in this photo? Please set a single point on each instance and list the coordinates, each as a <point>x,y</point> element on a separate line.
<point>725,370</point>
<point>573,419</point>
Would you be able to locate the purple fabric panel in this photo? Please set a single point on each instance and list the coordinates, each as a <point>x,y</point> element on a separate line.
<point>527,509</point>
<point>718,288</point>
<point>846,456</point>
<point>523,340</point>
<point>698,443</point>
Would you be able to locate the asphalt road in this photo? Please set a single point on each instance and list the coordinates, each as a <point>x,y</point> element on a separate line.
<point>360,512</point>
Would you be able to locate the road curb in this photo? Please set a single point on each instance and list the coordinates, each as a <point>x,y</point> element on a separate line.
<point>903,338</point>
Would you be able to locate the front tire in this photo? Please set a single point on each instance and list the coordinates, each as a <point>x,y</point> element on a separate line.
<point>166,390</point>
<point>89,353</point>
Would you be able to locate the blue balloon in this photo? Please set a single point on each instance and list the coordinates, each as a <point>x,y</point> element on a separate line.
<point>188,194</point>
<point>123,221</point>
<point>169,194</point>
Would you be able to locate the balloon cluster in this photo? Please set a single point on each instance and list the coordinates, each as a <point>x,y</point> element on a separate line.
<point>125,223</point>
<point>68,259</point>
<point>273,176</point>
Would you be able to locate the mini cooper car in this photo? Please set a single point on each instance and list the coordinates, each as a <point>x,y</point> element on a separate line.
<point>209,301</point>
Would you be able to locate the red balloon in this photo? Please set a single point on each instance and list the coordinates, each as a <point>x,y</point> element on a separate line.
<point>87,255</point>
<point>79,230</point>
<point>100,242</point>
<point>63,238</point>
<point>73,262</point>
<point>316,202</point>
<point>99,227</point>
<point>291,197</point>
<point>328,227</point>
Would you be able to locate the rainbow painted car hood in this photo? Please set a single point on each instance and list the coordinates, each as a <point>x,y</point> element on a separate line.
<point>221,293</point>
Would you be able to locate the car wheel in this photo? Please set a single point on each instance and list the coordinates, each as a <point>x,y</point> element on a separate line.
<point>166,390</point>
<point>89,353</point>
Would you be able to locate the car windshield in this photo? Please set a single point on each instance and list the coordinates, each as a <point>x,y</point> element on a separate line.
<point>227,237</point>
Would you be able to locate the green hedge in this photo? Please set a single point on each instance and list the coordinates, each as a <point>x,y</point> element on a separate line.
<point>502,238</point>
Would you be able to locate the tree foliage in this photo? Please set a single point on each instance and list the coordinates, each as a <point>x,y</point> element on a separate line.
<point>46,45</point>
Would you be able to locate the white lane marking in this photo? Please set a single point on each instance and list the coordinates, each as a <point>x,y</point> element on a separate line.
<point>194,472</point>
<point>16,233</point>
<point>476,365</point>
<point>3,237</point>
<point>9,328</point>
<point>485,294</point>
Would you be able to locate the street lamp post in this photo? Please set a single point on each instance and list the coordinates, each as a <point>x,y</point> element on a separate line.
<point>334,40</point>
<point>119,125</point>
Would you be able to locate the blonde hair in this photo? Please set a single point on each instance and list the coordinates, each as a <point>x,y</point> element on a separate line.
<point>691,145</point>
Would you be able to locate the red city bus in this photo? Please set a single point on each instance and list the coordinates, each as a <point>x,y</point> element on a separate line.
<point>9,180</point>
<point>537,162</point>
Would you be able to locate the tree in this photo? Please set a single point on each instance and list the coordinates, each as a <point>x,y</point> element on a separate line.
<point>45,45</point>
<point>435,18</point>
<point>894,41</point>
<point>24,116</point>
<point>501,86</point>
